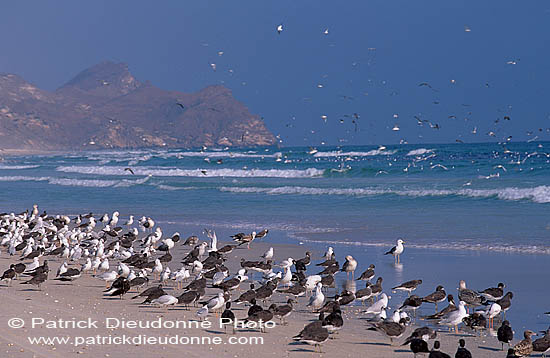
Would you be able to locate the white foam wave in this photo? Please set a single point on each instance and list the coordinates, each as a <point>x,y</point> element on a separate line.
<point>539,194</point>
<point>354,154</point>
<point>175,172</point>
<point>221,155</point>
<point>90,183</point>
<point>17,167</point>
<point>420,151</point>
<point>22,178</point>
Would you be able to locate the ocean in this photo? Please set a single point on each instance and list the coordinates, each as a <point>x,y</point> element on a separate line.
<point>462,209</point>
<point>455,196</point>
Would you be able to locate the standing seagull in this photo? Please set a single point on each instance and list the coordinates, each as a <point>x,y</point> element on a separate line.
<point>454,318</point>
<point>368,274</point>
<point>349,266</point>
<point>318,298</point>
<point>213,239</point>
<point>268,255</point>
<point>505,334</point>
<point>525,346</point>
<point>396,250</point>
<point>408,286</point>
<point>438,296</point>
<point>328,254</point>
<point>542,344</point>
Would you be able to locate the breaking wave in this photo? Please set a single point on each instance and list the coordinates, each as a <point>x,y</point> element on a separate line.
<point>539,194</point>
<point>174,172</point>
<point>354,154</point>
<point>89,183</point>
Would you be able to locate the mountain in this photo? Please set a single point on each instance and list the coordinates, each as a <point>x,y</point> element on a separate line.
<point>105,106</point>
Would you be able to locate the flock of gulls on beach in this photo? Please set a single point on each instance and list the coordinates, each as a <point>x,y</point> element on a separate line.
<point>134,255</point>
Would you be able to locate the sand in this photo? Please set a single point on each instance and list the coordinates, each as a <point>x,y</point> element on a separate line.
<point>83,300</point>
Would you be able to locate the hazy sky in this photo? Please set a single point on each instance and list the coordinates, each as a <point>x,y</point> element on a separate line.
<point>371,62</point>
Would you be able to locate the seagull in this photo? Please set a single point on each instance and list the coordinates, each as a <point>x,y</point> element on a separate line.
<point>396,250</point>
<point>408,286</point>
<point>203,312</point>
<point>349,266</point>
<point>69,275</point>
<point>454,318</point>
<point>468,296</point>
<point>423,333</point>
<point>364,294</point>
<point>216,303</point>
<point>368,274</point>
<point>280,28</point>
<point>426,84</point>
<point>378,306</point>
<point>268,255</point>
<point>525,346</point>
<point>443,312</point>
<point>287,263</point>
<point>391,330</point>
<point>476,321</point>
<point>108,277</point>
<point>493,293</point>
<point>328,254</point>
<point>314,334</point>
<point>228,317</point>
<point>262,234</point>
<point>505,334</point>
<point>213,239</point>
<point>493,311</point>
<point>412,302</point>
<point>438,296</point>
<point>506,301</point>
<point>542,344</point>
<point>37,280</point>
<point>9,274</point>
<point>318,298</point>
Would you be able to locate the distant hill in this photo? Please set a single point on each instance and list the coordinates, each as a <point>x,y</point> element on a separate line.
<point>104,106</point>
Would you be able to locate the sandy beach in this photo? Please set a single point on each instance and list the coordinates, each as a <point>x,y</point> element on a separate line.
<point>83,300</point>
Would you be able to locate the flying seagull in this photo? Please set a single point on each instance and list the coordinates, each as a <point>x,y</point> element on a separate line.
<point>280,29</point>
<point>130,170</point>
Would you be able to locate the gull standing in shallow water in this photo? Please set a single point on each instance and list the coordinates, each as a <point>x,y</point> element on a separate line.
<point>437,296</point>
<point>396,250</point>
<point>349,266</point>
<point>470,297</point>
<point>408,286</point>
